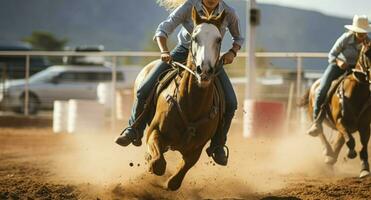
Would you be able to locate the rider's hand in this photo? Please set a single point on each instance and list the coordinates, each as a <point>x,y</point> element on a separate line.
<point>165,57</point>
<point>341,63</point>
<point>228,57</point>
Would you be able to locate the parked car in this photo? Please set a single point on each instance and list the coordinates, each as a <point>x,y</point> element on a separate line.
<point>86,60</point>
<point>62,83</point>
<point>13,67</point>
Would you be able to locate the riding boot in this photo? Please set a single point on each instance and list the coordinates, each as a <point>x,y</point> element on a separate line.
<point>217,145</point>
<point>137,123</point>
<point>318,116</point>
<point>316,127</point>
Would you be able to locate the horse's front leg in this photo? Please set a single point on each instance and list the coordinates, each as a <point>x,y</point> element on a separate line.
<point>187,162</point>
<point>157,162</point>
<point>364,133</point>
<point>349,140</point>
<point>327,149</point>
<point>338,144</point>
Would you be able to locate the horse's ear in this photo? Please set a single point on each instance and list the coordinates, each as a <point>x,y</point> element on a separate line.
<point>196,17</point>
<point>219,19</point>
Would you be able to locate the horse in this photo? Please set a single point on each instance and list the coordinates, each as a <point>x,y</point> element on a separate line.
<point>186,112</point>
<point>347,110</point>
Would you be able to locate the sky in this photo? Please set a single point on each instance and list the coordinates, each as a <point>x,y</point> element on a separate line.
<point>341,8</point>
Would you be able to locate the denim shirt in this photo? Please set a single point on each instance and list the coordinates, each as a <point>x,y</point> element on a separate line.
<point>346,48</point>
<point>183,15</point>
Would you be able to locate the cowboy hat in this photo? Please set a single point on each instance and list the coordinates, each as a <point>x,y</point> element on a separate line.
<point>360,24</point>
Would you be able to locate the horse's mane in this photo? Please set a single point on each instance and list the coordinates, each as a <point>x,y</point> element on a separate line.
<point>170,4</point>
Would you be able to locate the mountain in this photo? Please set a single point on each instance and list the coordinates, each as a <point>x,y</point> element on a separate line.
<point>130,24</point>
<point>116,24</point>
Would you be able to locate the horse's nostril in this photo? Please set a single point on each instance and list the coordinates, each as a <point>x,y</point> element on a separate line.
<point>198,70</point>
<point>211,70</point>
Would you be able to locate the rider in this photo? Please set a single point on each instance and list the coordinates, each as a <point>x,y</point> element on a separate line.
<point>182,15</point>
<point>343,56</point>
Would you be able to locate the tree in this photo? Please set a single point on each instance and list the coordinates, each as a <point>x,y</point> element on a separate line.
<point>45,41</point>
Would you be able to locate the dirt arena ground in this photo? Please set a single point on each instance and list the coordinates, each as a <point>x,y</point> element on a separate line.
<point>37,164</point>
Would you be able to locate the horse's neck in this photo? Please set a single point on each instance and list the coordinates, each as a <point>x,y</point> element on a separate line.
<point>194,99</point>
<point>355,91</point>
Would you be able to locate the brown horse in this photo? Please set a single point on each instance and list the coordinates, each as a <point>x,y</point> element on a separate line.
<point>348,110</point>
<point>187,113</point>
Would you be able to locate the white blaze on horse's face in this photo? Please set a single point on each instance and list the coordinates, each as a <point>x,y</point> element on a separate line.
<point>206,40</point>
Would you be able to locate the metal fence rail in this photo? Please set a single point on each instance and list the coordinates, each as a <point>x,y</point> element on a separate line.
<point>114,55</point>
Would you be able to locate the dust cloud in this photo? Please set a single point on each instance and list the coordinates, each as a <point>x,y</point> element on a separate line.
<point>255,165</point>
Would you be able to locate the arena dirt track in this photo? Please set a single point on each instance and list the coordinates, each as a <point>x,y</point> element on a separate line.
<point>36,164</point>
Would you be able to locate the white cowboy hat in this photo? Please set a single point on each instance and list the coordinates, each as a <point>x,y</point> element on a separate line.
<point>360,24</point>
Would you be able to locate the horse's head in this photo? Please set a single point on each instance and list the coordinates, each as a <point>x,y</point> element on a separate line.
<point>205,46</point>
<point>363,67</point>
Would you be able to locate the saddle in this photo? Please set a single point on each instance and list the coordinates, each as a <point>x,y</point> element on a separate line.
<point>334,90</point>
<point>163,83</point>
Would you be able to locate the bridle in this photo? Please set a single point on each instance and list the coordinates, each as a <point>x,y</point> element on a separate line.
<point>365,65</point>
<point>217,65</point>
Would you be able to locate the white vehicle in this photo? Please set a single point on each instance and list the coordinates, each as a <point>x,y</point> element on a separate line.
<point>62,83</point>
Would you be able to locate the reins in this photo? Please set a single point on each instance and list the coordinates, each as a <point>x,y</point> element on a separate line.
<point>174,63</point>
<point>216,73</point>
<point>217,66</point>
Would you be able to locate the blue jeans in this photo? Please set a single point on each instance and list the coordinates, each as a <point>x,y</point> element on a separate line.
<point>179,54</point>
<point>332,73</point>
<point>220,136</point>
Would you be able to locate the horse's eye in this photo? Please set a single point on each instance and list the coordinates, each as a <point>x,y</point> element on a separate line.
<point>195,39</point>
<point>219,40</point>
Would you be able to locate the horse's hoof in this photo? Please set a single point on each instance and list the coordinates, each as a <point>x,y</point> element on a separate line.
<point>364,174</point>
<point>330,160</point>
<point>173,185</point>
<point>352,154</point>
<point>158,167</point>
<point>316,134</point>
<point>328,153</point>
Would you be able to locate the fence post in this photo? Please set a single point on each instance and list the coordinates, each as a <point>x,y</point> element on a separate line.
<point>299,82</point>
<point>26,86</point>
<point>299,76</point>
<point>113,93</point>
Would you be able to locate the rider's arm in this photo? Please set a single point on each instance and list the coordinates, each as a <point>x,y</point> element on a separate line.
<point>175,18</point>
<point>162,43</point>
<point>234,29</point>
<point>165,54</point>
<point>235,48</point>
<point>338,48</point>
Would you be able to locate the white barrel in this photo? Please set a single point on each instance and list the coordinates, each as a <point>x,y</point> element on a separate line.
<point>85,116</point>
<point>124,101</point>
<point>104,94</point>
<point>60,114</point>
<point>120,105</point>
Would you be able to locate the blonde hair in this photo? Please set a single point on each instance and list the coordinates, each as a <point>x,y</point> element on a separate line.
<point>170,4</point>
